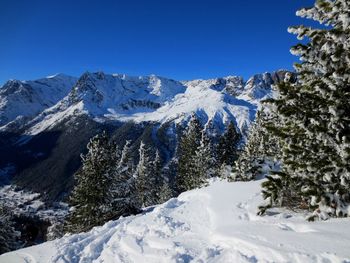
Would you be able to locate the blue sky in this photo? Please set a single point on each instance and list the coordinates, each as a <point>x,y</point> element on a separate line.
<point>182,39</point>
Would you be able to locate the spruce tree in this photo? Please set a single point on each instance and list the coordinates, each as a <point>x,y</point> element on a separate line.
<point>187,176</point>
<point>145,177</point>
<point>123,187</point>
<point>261,152</point>
<point>165,193</point>
<point>91,199</point>
<point>161,191</point>
<point>315,117</point>
<point>205,159</point>
<point>227,149</point>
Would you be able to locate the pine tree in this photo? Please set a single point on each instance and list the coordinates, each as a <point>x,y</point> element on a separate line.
<point>227,149</point>
<point>170,171</point>
<point>161,192</point>
<point>205,159</point>
<point>123,187</point>
<point>9,237</point>
<point>261,153</point>
<point>91,199</point>
<point>315,117</point>
<point>187,176</point>
<point>165,193</point>
<point>145,177</point>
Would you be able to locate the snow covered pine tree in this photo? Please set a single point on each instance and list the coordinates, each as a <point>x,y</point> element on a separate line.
<point>144,177</point>
<point>123,189</point>
<point>205,159</point>
<point>315,113</point>
<point>161,190</point>
<point>151,187</point>
<point>261,153</point>
<point>187,177</point>
<point>227,149</point>
<point>91,199</point>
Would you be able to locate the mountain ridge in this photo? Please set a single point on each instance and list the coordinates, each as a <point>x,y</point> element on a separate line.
<point>128,98</point>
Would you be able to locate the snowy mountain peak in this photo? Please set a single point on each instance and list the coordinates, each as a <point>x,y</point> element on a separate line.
<point>259,86</point>
<point>121,92</point>
<point>14,86</point>
<point>139,99</point>
<point>21,100</point>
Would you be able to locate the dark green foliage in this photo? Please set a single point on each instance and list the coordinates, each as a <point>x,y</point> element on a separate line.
<point>161,190</point>
<point>279,189</point>
<point>206,163</point>
<point>165,193</point>
<point>261,153</point>
<point>314,111</point>
<point>122,188</point>
<point>187,176</point>
<point>227,147</point>
<point>145,178</point>
<point>150,185</point>
<point>91,199</point>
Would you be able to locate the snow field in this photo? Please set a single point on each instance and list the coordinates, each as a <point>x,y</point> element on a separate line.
<point>217,223</point>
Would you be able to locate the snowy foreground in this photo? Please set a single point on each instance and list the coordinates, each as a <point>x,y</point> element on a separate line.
<point>214,224</point>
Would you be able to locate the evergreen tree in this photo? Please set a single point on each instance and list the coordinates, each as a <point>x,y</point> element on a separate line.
<point>123,187</point>
<point>315,118</point>
<point>170,171</point>
<point>261,153</point>
<point>145,177</point>
<point>227,149</point>
<point>161,192</point>
<point>205,159</point>
<point>151,187</point>
<point>9,237</point>
<point>91,199</point>
<point>165,193</point>
<point>187,176</point>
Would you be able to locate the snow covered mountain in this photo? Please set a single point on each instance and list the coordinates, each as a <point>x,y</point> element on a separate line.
<point>46,124</point>
<point>213,224</point>
<point>138,99</point>
<point>22,100</point>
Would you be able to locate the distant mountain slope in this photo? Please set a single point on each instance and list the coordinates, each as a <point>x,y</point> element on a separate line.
<point>213,224</point>
<point>22,100</point>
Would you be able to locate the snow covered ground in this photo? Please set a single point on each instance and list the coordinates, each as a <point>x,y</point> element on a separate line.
<point>26,203</point>
<point>217,223</point>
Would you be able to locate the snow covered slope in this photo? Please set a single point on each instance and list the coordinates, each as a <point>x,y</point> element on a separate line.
<point>156,99</point>
<point>22,100</point>
<point>213,224</point>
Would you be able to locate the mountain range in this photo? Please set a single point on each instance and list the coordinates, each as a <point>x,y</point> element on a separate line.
<point>45,124</point>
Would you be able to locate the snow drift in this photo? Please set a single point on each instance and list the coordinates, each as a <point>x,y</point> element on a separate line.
<point>217,223</point>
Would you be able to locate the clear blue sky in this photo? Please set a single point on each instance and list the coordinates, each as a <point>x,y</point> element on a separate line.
<point>182,39</point>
